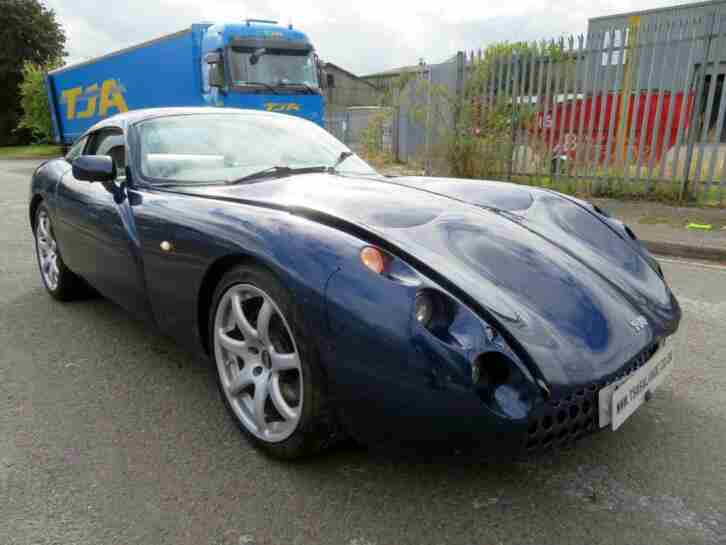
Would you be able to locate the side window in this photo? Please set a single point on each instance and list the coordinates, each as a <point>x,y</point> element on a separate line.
<point>111,143</point>
<point>76,149</point>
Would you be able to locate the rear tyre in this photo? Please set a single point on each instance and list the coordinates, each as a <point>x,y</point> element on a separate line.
<point>59,280</point>
<point>267,366</point>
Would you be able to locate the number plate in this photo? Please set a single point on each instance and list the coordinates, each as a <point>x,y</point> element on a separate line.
<point>620,400</point>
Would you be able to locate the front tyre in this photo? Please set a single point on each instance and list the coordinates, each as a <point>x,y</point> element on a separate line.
<point>58,279</point>
<point>267,367</point>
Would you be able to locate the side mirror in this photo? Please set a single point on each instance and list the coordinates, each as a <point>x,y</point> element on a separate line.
<point>330,81</point>
<point>94,168</point>
<point>214,57</point>
<point>216,68</point>
<point>216,75</point>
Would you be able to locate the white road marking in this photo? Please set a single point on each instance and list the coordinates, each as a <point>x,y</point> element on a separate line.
<point>702,308</point>
<point>696,264</point>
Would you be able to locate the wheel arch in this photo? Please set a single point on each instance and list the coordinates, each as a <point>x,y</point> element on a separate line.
<point>211,279</point>
<point>34,204</point>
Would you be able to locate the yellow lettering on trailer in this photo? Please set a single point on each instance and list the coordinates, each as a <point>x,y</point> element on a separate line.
<point>282,106</point>
<point>69,96</point>
<point>90,93</point>
<point>111,96</point>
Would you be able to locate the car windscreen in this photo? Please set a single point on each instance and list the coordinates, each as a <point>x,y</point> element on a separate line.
<point>225,147</point>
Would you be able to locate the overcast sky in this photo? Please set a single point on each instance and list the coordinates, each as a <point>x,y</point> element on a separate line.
<point>363,37</point>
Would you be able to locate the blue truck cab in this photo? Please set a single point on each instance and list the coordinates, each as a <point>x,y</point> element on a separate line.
<point>253,64</point>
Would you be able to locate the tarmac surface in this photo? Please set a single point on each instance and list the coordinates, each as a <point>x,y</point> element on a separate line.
<point>665,229</point>
<point>110,434</point>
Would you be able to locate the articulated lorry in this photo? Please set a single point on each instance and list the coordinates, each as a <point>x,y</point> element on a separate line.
<point>254,64</point>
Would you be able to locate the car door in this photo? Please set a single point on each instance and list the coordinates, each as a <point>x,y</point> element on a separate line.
<point>100,228</point>
<point>66,236</point>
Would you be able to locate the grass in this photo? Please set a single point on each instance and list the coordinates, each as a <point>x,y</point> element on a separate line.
<point>617,188</point>
<point>657,220</point>
<point>596,181</point>
<point>30,152</point>
<point>681,222</point>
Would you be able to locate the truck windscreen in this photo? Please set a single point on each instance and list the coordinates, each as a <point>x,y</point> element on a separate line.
<point>276,67</point>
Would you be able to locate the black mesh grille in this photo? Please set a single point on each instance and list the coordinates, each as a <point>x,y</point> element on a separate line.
<point>560,422</point>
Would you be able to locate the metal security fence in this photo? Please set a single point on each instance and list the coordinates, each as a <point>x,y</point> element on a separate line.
<point>427,111</point>
<point>361,126</point>
<point>638,105</point>
<point>633,104</point>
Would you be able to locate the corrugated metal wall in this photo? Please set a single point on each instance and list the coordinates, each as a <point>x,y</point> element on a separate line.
<point>679,34</point>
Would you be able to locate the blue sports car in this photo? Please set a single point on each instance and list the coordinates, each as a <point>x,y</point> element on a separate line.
<point>335,302</point>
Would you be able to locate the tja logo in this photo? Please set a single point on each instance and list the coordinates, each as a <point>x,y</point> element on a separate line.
<point>97,101</point>
<point>282,107</point>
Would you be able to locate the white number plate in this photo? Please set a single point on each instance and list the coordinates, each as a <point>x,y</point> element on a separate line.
<point>621,399</point>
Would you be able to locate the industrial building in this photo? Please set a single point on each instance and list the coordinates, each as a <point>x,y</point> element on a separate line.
<point>669,45</point>
<point>677,49</point>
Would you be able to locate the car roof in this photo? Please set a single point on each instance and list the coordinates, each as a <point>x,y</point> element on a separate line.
<point>126,119</point>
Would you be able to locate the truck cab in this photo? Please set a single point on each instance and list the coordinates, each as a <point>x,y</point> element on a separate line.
<point>261,65</point>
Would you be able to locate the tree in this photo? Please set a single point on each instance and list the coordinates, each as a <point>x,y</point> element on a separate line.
<point>29,31</point>
<point>34,101</point>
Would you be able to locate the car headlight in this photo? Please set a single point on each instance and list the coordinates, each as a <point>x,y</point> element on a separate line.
<point>472,352</point>
<point>433,311</point>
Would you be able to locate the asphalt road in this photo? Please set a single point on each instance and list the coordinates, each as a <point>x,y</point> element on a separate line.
<point>110,434</point>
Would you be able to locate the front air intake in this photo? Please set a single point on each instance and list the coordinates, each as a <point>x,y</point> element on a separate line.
<point>561,421</point>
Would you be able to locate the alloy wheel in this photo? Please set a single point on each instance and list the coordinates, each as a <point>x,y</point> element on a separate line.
<point>47,251</point>
<point>258,362</point>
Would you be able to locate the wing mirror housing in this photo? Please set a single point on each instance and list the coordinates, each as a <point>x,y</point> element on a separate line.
<point>216,68</point>
<point>213,57</point>
<point>94,168</point>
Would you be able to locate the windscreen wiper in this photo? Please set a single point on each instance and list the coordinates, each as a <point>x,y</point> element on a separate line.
<point>278,172</point>
<point>306,86</point>
<point>260,83</point>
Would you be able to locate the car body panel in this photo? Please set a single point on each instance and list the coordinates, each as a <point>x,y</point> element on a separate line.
<point>271,237</point>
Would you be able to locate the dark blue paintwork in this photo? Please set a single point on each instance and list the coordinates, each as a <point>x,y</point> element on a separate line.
<point>544,279</point>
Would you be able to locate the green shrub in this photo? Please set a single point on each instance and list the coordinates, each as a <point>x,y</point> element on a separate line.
<point>371,138</point>
<point>34,101</point>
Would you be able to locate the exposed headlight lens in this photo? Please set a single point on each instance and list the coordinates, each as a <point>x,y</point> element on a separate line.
<point>424,310</point>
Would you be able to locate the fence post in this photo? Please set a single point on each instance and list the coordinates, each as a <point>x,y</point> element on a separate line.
<point>395,131</point>
<point>631,63</point>
<point>514,76</point>
<point>695,125</point>
<point>346,127</point>
<point>460,66</point>
<point>427,122</point>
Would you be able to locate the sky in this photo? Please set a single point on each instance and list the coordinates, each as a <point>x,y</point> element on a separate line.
<point>362,37</point>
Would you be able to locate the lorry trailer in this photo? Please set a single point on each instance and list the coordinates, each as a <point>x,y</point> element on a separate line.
<point>254,64</point>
